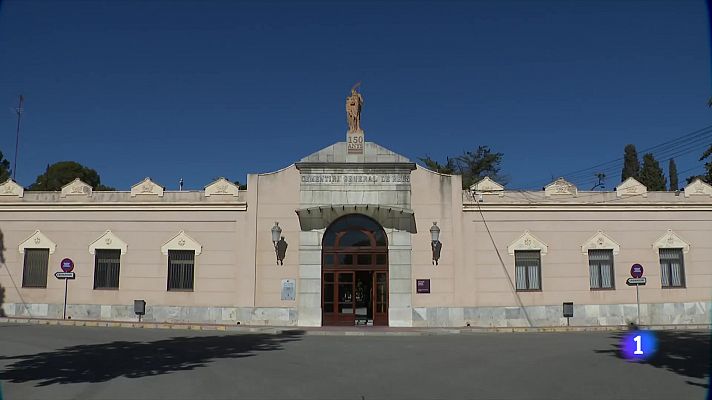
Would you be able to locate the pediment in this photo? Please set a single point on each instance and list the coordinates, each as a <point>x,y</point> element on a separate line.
<point>698,187</point>
<point>527,242</point>
<point>560,187</point>
<point>338,153</point>
<point>670,240</point>
<point>487,186</point>
<point>631,187</point>
<point>37,241</point>
<point>222,187</point>
<point>182,241</point>
<point>147,187</point>
<point>108,241</point>
<point>76,188</point>
<point>600,241</point>
<point>11,188</point>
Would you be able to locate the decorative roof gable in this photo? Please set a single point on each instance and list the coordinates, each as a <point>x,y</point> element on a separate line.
<point>631,187</point>
<point>11,188</point>
<point>222,187</point>
<point>147,187</point>
<point>487,186</point>
<point>181,241</point>
<point>698,187</point>
<point>37,241</point>
<point>560,187</point>
<point>527,242</point>
<point>338,152</point>
<point>670,240</point>
<point>108,241</point>
<point>600,241</point>
<point>76,188</point>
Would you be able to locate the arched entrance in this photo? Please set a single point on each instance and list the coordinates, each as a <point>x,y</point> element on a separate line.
<point>354,272</point>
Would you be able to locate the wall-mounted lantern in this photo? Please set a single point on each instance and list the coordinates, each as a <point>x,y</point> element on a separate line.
<point>280,245</point>
<point>435,242</point>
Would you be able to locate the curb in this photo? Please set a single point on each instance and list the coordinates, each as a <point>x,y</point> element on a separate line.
<point>341,331</point>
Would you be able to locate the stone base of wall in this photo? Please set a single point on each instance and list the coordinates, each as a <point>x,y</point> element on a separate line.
<point>542,316</point>
<point>271,316</point>
<point>584,315</point>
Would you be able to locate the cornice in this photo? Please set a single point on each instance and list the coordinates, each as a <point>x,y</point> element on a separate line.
<point>119,206</point>
<point>355,165</point>
<point>587,207</point>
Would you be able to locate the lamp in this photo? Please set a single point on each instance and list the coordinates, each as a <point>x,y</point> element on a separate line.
<point>280,246</point>
<point>435,242</point>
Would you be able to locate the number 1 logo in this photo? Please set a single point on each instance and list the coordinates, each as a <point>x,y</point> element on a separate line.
<point>638,345</point>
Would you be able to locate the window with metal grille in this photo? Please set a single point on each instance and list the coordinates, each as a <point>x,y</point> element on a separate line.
<point>527,266</point>
<point>34,272</point>
<point>106,269</point>
<point>181,265</point>
<point>672,268</point>
<point>600,264</point>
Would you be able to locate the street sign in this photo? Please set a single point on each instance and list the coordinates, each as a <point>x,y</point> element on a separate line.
<point>64,275</point>
<point>67,265</point>
<point>635,281</point>
<point>636,271</point>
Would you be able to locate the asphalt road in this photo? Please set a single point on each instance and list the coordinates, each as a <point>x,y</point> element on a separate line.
<point>62,362</point>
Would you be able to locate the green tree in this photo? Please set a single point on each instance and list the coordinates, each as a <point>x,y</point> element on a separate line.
<point>63,172</point>
<point>651,175</point>
<point>447,168</point>
<point>672,172</point>
<point>5,171</point>
<point>472,165</point>
<point>631,165</point>
<point>707,177</point>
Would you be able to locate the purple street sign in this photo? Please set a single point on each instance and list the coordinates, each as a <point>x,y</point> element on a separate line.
<point>67,265</point>
<point>636,271</point>
<point>422,285</point>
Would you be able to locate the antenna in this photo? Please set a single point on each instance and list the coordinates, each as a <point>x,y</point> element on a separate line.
<point>19,110</point>
<point>601,177</point>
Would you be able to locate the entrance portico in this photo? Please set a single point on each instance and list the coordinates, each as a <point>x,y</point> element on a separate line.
<point>375,184</point>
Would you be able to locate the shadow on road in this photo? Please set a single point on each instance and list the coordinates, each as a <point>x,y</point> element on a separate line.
<point>685,353</point>
<point>106,361</point>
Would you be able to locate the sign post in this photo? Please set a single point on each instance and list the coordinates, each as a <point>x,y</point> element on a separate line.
<point>67,266</point>
<point>636,271</point>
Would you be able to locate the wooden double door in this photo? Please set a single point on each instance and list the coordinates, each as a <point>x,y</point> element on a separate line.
<point>354,272</point>
<point>355,297</point>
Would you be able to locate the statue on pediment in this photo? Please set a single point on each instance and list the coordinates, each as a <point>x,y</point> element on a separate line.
<point>354,103</point>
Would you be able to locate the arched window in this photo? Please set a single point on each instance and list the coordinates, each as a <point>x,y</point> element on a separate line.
<point>355,241</point>
<point>355,232</point>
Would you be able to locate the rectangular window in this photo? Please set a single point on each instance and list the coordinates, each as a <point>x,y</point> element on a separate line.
<point>527,265</point>
<point>106,269</point>
<point>600,264</point>
<point>672,268</point>
<point>181,265</point>
<point>34,272</point>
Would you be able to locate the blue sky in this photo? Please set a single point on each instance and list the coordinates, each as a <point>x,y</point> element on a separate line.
<point>201,89</point>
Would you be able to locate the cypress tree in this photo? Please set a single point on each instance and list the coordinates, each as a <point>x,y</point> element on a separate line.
<point>651,175</point>
<point>631,166</point>
<point>672,172</point>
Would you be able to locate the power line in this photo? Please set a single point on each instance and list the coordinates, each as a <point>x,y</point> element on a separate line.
<point>504,267</point>
<point>665,149</point>
<point>667,153</point>
<point>19,110</point>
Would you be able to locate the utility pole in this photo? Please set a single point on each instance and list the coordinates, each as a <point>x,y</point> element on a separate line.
<point>19,110</point>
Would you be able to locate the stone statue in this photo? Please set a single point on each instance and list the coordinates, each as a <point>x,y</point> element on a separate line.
<point>354,103</point>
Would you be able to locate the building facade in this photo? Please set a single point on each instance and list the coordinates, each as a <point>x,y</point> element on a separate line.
<point>357,234</point>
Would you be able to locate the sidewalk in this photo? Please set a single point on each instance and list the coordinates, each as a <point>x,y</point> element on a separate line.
<point>338,330</point>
